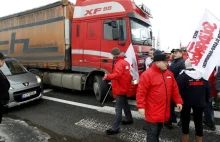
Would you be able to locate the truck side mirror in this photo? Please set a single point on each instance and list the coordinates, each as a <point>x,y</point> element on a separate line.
<point>109,22</point>
<point>115,34</point>
<point>151,35</point>
<point>114,24</point>
<point>149,41</point>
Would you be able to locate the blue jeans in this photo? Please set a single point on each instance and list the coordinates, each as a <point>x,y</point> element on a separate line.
<point>209,113</point>
<point>121,103</point>
<point>153,131</point>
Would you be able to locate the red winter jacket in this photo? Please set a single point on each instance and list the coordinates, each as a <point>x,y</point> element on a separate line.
<point>154,93</point>
<point>212,82</point>
<point>121,77</point>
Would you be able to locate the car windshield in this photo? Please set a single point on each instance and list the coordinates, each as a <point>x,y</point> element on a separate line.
<point>140,32</point>
<point>12,67</point>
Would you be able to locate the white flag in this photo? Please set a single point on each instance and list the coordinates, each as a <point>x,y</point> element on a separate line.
<point>158,41</point>
<point>204,48</point>
<point>131,59</point>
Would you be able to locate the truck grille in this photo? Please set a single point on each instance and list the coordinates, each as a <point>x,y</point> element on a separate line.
<point>18,95</point>
<point>142,54</point>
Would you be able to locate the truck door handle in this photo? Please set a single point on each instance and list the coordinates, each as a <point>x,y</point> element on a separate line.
<point>104,60</point>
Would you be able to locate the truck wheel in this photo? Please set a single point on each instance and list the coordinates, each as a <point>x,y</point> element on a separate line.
<point>100,88</point>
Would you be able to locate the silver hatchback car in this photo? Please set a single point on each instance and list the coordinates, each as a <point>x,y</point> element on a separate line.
<point>25,86</point>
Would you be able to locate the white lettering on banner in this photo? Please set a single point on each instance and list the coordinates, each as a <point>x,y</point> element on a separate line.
<point>131,59</point>
<point>97,9</point>
<point>204,48</point>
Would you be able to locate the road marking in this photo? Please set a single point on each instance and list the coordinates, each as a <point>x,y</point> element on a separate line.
<point>105,109</point>
<point>71,103</point>
<point>133,103</point>
<point>191,125</point>
<point>47,90</point>
<point>111,110</point>
<point>129,134</point>
<point>130,102</point>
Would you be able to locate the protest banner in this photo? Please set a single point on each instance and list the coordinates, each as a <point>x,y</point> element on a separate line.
<point>204,49</point>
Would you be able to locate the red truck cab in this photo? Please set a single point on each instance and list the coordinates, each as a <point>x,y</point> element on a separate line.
<point>100,25</point>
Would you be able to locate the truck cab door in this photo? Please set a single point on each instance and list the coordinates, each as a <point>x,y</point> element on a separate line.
<point>91,45</point>
<point>114,35</point>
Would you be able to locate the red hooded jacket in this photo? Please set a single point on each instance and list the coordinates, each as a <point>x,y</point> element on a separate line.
<point>121,77</point>
<point>154,93</point>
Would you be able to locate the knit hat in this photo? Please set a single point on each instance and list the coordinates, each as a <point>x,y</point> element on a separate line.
<point>178,50</point>
<point>115,51</point>
<point>2,57</point>
<point>160,57</point>
<point>156,52</point>
<point>188,63</point>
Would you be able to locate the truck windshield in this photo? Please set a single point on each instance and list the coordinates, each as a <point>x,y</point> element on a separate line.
<point>12,67</point>
<point>140,32</point>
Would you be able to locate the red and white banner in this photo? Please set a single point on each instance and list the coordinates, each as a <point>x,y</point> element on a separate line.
<point>131,58</point>
<point>204,49</point>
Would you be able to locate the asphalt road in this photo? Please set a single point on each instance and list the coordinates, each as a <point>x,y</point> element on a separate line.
<point>77,117</point>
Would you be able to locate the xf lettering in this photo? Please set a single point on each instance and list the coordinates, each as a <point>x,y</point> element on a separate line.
<point>97,10</point>
<point>197,49</point>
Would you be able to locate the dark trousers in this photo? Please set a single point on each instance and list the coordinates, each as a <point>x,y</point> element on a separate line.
<point>197,115</point>
<point>209,113</point>
<point>121,103</point>
<point>153,131</point>
<point>1,112</point>
<point>172,112</point>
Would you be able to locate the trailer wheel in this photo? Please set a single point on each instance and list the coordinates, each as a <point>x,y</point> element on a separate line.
<point>100,88</point>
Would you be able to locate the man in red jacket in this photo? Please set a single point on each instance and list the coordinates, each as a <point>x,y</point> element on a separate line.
<point>156,87</point>
<point>121,79</point>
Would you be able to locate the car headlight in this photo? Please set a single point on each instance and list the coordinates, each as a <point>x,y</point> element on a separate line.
<point>38,79</point>
<point>11,88</point>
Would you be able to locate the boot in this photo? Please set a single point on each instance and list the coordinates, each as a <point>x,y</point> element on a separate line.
<point>198,139</point>
<point>185,138</point>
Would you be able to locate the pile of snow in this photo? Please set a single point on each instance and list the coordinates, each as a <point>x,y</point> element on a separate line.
<point>19,131</point>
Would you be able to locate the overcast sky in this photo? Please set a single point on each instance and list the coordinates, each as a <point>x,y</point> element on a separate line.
<point>175,19</point>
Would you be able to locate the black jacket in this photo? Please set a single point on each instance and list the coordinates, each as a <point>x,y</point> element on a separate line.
<point>217,80</point>
<point>195,91</point>
<point>177,66</point>
<point>4,87</point>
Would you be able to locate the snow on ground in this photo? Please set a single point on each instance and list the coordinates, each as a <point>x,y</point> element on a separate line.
<point>19,131</point>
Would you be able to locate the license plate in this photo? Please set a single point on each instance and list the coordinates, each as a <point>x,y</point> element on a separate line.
<point>28,94</point>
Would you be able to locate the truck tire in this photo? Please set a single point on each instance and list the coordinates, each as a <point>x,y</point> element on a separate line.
<point>100,87</point>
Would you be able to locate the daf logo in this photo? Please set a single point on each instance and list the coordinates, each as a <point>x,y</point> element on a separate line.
<point>26,84</point>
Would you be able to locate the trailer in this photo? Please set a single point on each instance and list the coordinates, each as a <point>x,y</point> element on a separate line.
<point>68,45</point>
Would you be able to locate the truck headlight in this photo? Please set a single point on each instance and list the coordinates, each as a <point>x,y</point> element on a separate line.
<point>134,82</point>
<point>38,79</point>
